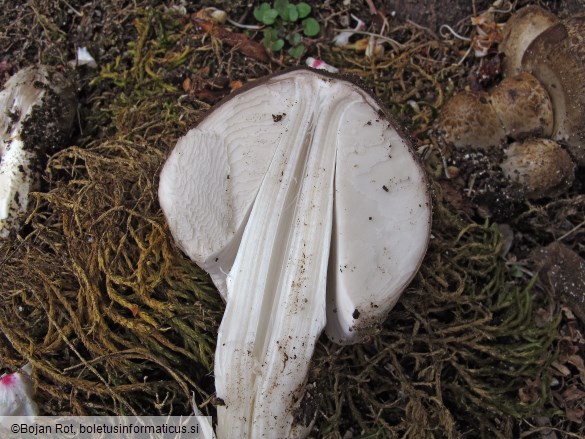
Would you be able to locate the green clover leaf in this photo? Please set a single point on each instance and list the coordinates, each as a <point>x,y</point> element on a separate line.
<point>282,7</point>
<point>265,14</point>
<point>311,27</point>
<point>293,14</point>
<point>303,9</point>
<point>297,51</point>
<point>294,39</point>
<point>277,45</point>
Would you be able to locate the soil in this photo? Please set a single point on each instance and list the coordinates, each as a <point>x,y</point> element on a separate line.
<point>434,13</point>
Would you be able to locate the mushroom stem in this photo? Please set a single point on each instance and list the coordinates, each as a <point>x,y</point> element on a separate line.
<point>38,106</point>
<point>277,285</point>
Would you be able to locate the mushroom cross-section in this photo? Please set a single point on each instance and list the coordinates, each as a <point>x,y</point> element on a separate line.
<point>310,210</point>
<point>556,58</point>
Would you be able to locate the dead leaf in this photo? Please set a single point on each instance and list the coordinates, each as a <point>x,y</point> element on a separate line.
<point>237,40</point>
<point>187,85</point>
<point>530,392</point>
<point>564,370</point>
<point>234,85</point>
<point>134,310</point>
<point>575,414</point>
<point>454,197</point>
<point>573,394</point>
<point>577,361</point>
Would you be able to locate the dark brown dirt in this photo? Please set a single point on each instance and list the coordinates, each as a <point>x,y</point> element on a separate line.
<point>455,13</point>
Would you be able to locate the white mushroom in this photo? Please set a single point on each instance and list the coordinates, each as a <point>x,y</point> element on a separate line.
<point>37,106</point>
<point>16,394</point>
<point>296,194</point>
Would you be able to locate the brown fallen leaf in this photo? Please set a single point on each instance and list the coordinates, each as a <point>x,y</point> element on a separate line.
<point>454,197</point>
<point>564,370</point>
<point>212,14</point>
<point>573,394</point>
<point>531,391</point>
<point>187,84</point>
<point>236,40</point>
<point>234,85</point>
<point>575,414</point>
<point>579,363</point>
<point>203,88</point>
<point>134,310</point>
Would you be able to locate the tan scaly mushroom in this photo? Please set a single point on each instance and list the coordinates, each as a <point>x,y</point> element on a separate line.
<point>540,167</point>
<point>519,31</point>
<point>523,107</point>
<point>557,59</point>
<point>468,120</point>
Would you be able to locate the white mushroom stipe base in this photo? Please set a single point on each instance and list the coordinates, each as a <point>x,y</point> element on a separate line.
<point>309,210</point>
<point>37,106</point>
<point>16,394</point>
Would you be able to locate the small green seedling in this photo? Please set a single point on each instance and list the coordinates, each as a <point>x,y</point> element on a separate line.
<point>286,21</point>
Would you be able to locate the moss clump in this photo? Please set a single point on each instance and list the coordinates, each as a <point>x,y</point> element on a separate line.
<point>110,314</point>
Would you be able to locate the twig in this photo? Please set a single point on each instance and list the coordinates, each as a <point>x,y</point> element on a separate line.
<point>373,9</point>
<point>577,227</point>
<point>79,14</point>
<point>395,44</point>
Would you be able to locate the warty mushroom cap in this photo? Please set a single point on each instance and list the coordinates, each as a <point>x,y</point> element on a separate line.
<point>523,107</point>
<point>297,194</point>
<point>519,31</point>
<point>540,166</point>
<point>469,120</point>
<point>557,59</point>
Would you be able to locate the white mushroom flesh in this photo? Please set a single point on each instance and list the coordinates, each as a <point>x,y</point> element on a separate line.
<point>296,194</point>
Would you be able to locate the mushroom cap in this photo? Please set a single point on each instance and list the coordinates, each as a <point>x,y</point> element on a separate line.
<point>230,152</point>
<point>557,59</point>
<point>523,106</point>
<point>540,166</point>
<point>469,120</point>
<point>519,31</point>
